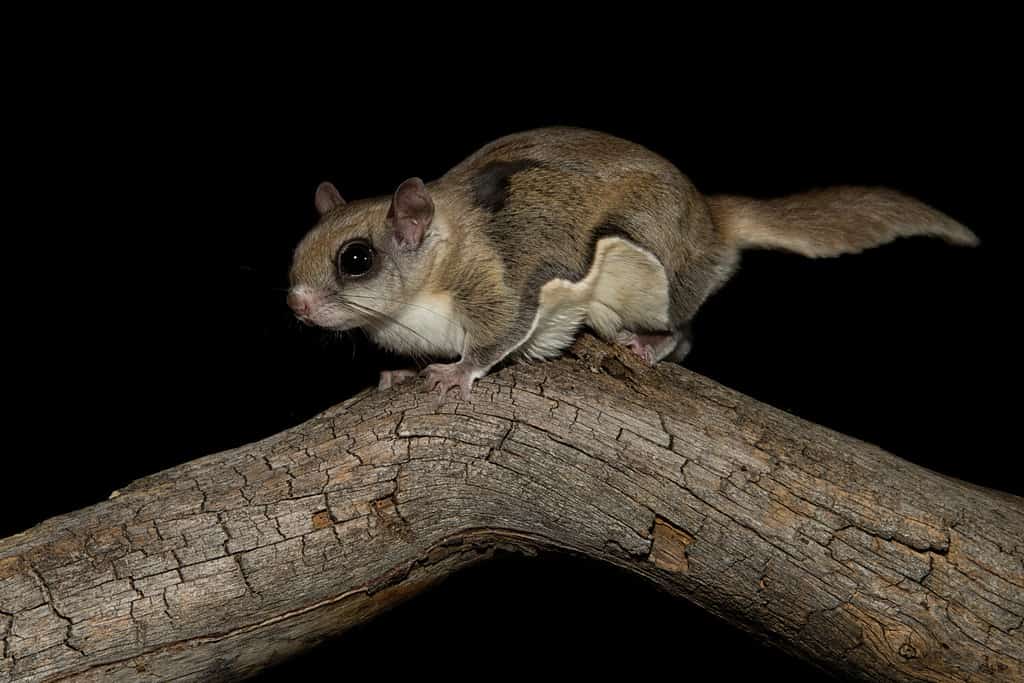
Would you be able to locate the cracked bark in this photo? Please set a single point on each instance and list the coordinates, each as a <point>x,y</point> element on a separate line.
<point>866,565</point>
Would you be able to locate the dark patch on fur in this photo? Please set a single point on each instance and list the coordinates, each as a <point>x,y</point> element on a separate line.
<point>490,185</point>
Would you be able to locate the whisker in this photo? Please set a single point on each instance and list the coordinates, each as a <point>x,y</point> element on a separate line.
<point>375,320</point>
<point>414,354</point>
<point>379,316</point>
<point>404,303</point>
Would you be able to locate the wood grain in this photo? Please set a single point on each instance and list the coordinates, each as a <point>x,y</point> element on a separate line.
<point>864,564</point>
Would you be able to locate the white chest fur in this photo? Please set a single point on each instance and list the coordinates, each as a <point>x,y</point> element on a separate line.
<point>625,288</point>
<point>424,325</point>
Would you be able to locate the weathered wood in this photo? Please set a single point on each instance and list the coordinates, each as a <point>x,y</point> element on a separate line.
<point>842,554</point>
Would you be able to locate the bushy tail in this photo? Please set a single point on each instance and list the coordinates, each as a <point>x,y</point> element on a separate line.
<point>833,221</point>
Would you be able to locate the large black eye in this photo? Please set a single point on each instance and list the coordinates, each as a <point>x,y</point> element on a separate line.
<point>354,259</point>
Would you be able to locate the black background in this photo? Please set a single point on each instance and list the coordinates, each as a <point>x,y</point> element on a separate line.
<point>166,193</point>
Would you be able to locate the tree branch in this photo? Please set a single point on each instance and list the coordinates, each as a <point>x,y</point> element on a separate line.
<point>840,553</point>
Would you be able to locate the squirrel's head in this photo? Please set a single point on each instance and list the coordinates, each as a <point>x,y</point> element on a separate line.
<point>363,259</point>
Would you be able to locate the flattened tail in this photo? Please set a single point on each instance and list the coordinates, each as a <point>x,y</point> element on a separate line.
<point>833,221</point>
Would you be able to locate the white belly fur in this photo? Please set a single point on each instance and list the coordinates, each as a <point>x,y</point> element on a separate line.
<point>426,325</point>
<point>626,288</point>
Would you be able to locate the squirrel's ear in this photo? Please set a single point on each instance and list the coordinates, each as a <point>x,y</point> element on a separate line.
<point>327,197</point>
<point>410,214</point>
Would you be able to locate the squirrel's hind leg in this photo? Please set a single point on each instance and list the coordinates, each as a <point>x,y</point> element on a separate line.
<point>657,346</point>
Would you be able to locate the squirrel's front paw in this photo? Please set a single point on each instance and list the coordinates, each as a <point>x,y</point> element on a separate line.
<point>444,376</point>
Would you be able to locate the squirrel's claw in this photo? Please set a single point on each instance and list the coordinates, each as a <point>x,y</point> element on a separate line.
<point>445,376</point>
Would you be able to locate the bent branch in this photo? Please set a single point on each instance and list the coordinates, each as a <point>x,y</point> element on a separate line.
<point>836,551</point>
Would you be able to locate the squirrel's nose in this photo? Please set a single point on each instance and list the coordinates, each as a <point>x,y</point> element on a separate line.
<point>299,302</point>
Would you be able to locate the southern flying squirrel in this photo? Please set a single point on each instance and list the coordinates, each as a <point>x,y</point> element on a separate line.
<point>541,232</point>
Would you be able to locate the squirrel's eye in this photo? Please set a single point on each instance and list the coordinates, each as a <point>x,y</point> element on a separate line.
<point>354,259</point>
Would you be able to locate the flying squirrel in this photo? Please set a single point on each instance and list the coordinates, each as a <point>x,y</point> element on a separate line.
<point>539,233</point>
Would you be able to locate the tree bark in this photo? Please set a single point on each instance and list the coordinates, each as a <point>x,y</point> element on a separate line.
<point>840,553</point>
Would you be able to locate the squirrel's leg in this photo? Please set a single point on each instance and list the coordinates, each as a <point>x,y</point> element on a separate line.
<point>495,325</point>
<point>445,376</point>
<point>654,347</point>
<point>477,360</point>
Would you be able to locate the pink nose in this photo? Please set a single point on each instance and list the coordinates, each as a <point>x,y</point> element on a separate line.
<point>299,303</point>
